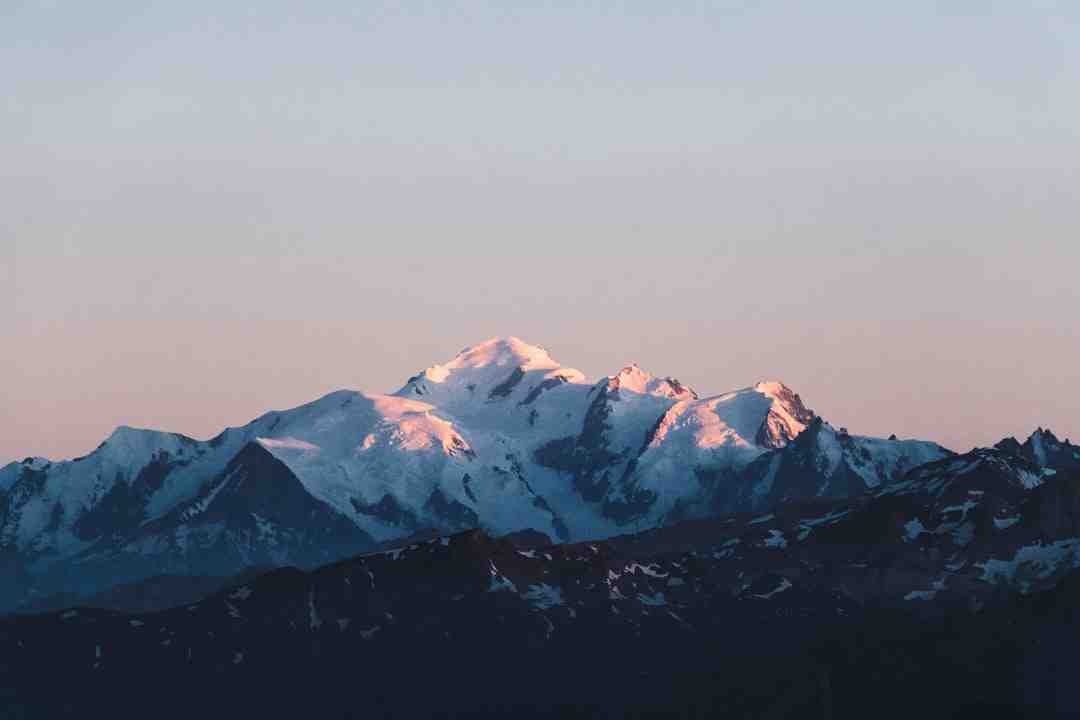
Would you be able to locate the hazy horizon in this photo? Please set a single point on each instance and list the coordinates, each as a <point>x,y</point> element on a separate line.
<point>212,212</point>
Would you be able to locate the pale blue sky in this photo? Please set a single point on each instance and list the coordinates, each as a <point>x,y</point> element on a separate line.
<point>211,209</point>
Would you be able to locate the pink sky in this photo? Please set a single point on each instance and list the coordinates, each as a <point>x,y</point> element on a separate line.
<point>189,352</point>
<point>870,202</point>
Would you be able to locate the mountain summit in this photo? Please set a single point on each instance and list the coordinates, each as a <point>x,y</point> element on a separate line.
<point>489,371</point>
<point>501,437</point>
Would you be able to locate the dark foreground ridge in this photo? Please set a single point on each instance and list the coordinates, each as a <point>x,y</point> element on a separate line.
<point>949,593</point>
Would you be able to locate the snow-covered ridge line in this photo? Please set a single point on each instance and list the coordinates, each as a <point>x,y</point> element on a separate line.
<point>502,437</point>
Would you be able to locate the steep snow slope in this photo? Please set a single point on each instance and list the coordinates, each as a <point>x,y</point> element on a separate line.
<point>699,446</point>
<point>55,509</point>
<point>389,464</point>
<point>392,464</point>
<point>579,473</point>
<point>731,428</point>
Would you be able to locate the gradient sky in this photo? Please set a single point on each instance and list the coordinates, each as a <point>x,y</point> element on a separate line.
<point>214,209</point>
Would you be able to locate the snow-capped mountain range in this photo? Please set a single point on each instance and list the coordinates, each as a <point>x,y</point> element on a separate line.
<point>951,591</point>
<point>502,437</point>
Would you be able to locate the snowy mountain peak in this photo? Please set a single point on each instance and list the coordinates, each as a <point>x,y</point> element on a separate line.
<point>127,433</point>
<point>774,389</point>
<point>741,425</point>
<point>1044,436</point>
<point>771,386</point>
<point>502,351</point>
<point>636,380</point>
<point>128,444</point>
<point>488,372</point>
<point>787,416</point>
<point>1040,442</point>
<point>1044,449</point>
<point>11,472</point>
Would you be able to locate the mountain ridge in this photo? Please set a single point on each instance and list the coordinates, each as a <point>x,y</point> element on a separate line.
<point>502,436</point>
<point>953,588</point>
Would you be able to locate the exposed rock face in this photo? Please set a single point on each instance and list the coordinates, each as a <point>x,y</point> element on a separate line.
<point>1044,449</point>
<point>778,428</point>
<point>825,463</point>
